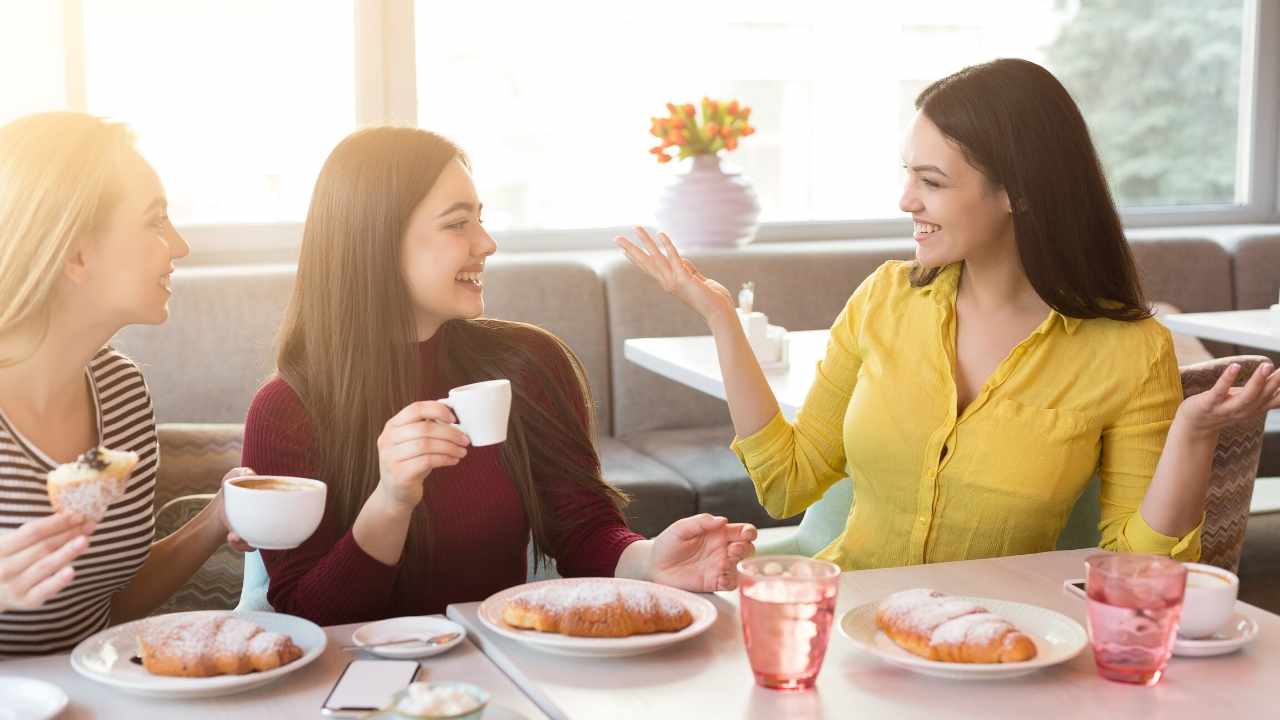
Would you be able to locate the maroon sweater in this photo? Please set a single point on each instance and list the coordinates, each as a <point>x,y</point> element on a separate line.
<point>479,532</point>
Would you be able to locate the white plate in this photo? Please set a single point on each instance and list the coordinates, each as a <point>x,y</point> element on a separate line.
<point>703,612</point>
<point>1239,632</point>
<point>1058,639</point>
<point>369,636</point>
<point>27,699</point>
<point>105,657</point>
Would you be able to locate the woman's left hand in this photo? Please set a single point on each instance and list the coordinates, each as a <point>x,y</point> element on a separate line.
<point>235,541</point>
<point>701,553</point>
<point>1219,406</point>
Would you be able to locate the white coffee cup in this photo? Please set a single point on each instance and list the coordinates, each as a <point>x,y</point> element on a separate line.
<point>482,410</point>
<point>1209,602</point>
<point>274,512</point>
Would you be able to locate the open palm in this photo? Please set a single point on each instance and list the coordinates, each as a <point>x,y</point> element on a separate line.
<point>701,553</point>
<point>675,274</point>
<point>1224,404</point>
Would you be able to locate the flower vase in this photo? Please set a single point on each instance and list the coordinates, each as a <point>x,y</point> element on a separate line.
<point>708,207</point>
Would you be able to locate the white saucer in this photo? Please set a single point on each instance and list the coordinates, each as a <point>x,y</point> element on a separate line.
<point>28,699</point>
<point>368,636</point>
<point>1240,631</point>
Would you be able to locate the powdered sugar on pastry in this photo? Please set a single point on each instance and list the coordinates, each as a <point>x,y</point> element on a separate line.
<point>596,609</point>
<point>91,483</point>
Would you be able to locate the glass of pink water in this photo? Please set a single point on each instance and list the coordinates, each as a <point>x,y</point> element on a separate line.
<point>1134,605</point>
<point>788,603</point>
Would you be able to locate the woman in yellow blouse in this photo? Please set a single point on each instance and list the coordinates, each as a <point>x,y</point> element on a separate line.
<point>971,394</point>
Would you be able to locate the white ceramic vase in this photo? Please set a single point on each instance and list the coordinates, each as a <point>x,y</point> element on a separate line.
<point>708,207</point>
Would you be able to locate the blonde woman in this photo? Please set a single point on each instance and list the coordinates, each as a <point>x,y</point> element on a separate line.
<point>86,248</point>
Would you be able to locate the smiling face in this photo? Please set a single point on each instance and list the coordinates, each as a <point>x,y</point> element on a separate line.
<point>958,213</point>
<point>444,251</point>
<point>120,271</point>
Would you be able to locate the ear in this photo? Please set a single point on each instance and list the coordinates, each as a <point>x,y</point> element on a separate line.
<point>76,266</point>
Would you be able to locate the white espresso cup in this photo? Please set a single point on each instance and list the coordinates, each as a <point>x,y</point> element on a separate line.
<point>274,512</point>
<point>482,409</point>
<point>1209,602</point>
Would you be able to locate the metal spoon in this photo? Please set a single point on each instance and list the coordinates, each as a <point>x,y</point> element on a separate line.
<point>432,640</point>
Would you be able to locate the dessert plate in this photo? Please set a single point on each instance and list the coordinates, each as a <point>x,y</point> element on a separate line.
<point>703,612</point>
<point>1058,639</point>
<point>107,658</point>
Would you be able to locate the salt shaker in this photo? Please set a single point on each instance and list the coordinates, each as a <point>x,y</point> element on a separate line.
<point>747,297</point>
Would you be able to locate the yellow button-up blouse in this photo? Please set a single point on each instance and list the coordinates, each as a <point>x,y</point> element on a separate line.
<point>1075,397</point>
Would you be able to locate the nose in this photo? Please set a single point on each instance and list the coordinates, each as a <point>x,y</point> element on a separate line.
<point>178,247</point>
<point>910,202</point>
<point>486,246</point>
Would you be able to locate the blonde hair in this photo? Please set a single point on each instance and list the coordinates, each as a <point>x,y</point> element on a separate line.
<point>57,180</point>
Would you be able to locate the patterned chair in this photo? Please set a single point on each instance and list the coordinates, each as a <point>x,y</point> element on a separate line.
<point>193,459</point>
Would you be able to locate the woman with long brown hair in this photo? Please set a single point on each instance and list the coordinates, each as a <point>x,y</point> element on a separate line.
<point>971,394</point>
<point>385,315</point>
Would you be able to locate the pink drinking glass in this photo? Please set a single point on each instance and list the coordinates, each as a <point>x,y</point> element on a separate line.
<point>1134,605</point>
<point>788,603</point>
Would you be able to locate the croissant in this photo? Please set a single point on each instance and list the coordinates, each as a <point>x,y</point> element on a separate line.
<point>596,609</point>
<point>940,627</point>
<point>208,646</point>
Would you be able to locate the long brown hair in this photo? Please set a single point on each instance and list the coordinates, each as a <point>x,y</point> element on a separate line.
<point>348,343</point>
<point>1019,127</point>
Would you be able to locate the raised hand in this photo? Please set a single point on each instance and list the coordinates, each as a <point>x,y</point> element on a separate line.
<point>415,441</point>
<point>701,553</point>
<point>1223,404</point>
<point>35,559</point>
<point>677,275</point>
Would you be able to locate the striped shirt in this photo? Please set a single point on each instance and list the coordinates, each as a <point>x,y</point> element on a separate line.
<point>120,543</point>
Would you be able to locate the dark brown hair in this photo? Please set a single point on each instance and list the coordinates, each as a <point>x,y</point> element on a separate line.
<point>1018,126</point>
<point>348,343</point>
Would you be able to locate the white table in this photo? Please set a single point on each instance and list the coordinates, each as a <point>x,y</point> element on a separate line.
<point>298,695</point>
<point>693,361</point>
<point>1251,328</point>
<point>709,677</point>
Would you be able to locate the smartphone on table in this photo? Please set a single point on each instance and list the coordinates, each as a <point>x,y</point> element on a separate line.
<point>367,685</point>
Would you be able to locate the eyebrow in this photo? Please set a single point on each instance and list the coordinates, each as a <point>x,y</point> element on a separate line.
<point>459,206</point>
<point>159,203</point>
<point>928,168</point>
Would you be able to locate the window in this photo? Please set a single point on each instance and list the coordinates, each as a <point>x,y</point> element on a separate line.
<point>236,103</point>
<point>554,109</point>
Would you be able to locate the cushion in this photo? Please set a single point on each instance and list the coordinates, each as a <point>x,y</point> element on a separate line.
<point>703,458</point>
<point>659,495</point>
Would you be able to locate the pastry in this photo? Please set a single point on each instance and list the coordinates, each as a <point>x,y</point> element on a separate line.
<point>596,609</point>
<point>212,645</point>
<point>941,627</point>
<point>91,483</point>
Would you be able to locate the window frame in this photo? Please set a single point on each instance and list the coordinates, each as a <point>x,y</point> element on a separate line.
<point>386,93</point>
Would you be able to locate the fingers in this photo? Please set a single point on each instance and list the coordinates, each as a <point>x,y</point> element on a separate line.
<point>425,446</point>
<point>420,430</point>
<point>739,532</point>
<point>238,543</point>
<point>694,526</point>
<point>49,565</point>
<point>234,473</point>
<point>32,532</point>
<point>1243,400</point>
<point>50,586</point>
<point>422,410</point>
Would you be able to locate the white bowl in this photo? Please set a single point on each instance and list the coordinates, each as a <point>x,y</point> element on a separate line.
<point>274,519</point>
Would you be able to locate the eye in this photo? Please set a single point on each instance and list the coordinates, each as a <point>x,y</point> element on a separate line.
<point>456,226</point>
<point>161,222</point>
<point>929,183</point>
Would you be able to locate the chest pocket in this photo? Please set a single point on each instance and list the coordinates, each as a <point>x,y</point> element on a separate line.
<point>1038,458</point>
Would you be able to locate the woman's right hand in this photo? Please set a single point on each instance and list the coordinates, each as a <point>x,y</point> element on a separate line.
<point>676,274</point>
<point>35,559</point>
<point>417,440</point>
